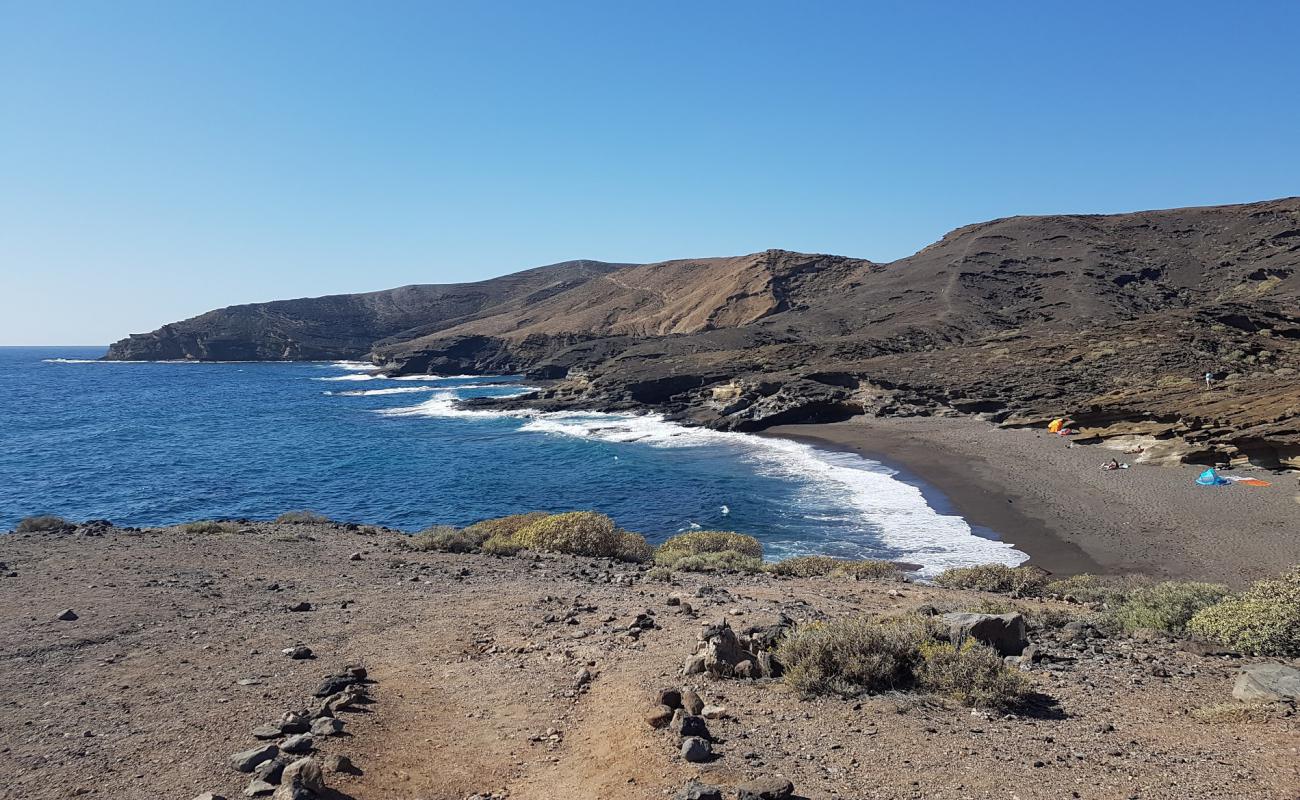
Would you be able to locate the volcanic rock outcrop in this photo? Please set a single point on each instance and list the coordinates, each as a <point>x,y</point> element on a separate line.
<point>1111,320</point>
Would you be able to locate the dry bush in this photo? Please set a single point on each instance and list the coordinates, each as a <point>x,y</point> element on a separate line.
<point>42,524</point>
<point>718,562</point>
<point>1167,606</point>
<point>973,675</point>
<point>813,566</point>
<point>1086,588</point>
<point>740,548</point>
<point>633,547</point>
<point>444,539</point>
<point>853,655</point>
<point>1232,713</point>
<point>1264,619</point>
<point>1015,581</point>
<point>503,526</point>
<point>302,518</point>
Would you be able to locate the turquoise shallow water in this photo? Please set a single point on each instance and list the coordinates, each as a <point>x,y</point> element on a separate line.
<point>158,443</point>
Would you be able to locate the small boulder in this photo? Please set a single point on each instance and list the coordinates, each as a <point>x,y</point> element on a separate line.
<point>302,780</point>
<point>694,726</point>
<point>1267,683</point>
<point>693,666</point>
<point>301,743</point>
<point>294,722</point>
<point>660,717</point>
<point>326,726</point>
<point>696,750</point>
<point>354,557</point>
<point>692,703</point>
<point>268,731</point>
<point>765,789</point>
<point>248,759</point>
<point>66,615</point>
<point>713,712</point>
<point>333,684</point>
<point>259,788</point>
<point>699,791</point>
<point>298,652</point>
<point>210,796</point>
<point>341,764</point>
<point>1005,633</point>
<point>303,606</point>
<point>669,697</point>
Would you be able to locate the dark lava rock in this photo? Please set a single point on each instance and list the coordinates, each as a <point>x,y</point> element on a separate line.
<point>765,789</point>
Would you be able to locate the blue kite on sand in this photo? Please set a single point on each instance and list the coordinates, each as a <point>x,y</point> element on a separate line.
<point>1211,478</point>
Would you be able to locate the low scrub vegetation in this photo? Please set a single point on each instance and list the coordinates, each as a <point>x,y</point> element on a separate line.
<point>1015,581</point>
<point>1235,713</point>
<point>444,539</point>
<point>1086,588</point>
<point>302,518</point>
<point>42,524</point>
<point>1264,619</point>
<point>702,551</point>
<point>973,675</point>
<point>1167,606</point>
<point>813,566</point>
<point>579,533</point>
<point>855,655</point>
<point>210,526</point>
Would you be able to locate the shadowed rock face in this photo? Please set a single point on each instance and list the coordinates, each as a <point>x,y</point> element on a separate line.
<point>1111,319</point>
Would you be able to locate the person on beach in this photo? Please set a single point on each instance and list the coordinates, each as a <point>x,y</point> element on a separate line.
<point>1112,464</point>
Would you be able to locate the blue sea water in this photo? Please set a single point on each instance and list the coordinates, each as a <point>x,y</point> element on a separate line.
<point>160,443</point>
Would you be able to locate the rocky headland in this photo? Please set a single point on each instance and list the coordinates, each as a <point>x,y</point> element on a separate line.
<point>1110,320</point>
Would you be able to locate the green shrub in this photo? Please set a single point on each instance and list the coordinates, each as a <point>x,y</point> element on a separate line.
<point>853,655</point>
<point>579,533</point>
<point>973,675</point>
<point>302,518</point>
<point>662,574</point>
<point>1167,606</point>
<point>209,526</point>
<point>633,547</point>
<point>813,566</point>
<point>1264,619</point>
<point>699,543</point>
<point>444,539</point>
<point>1109,589</point>
<point>42,524</point>
<point>1017,581</point>
<point>986,606</point>
<point>718,562</point>
<point>501,545</point>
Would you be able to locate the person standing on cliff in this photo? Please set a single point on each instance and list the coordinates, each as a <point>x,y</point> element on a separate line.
<point>1208,377</point>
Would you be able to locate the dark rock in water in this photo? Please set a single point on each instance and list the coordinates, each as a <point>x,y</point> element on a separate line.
<point>765,789</point>
<point>1267,683</point>
<point>696,750</point>
<point>248,759</point>
<point>699,791</point>
<point>1005,633</point>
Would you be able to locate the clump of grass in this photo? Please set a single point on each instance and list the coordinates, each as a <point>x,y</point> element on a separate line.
<point>853,655</point>
<point>1085,588</point>
<point>1264,619</point>
<point>504,526</point>
<point>999,578</point>
<point>444,539</point>
<point>717,549</point>
<point>207,526</point>
<point>973,675</point>
<point>987,606</point>
<point>1233,713</point>
<point>663,574</point>
<point>302,518</point>
<point>1167,606</point>
<point>43,523</point>
<point>814,566</point>
<point>500,545</point>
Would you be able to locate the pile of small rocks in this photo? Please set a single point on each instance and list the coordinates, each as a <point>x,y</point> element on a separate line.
<point>721,653</point>
<point>283,768</point>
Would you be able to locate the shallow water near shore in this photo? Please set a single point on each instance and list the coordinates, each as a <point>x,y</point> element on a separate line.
<point>160,443</point>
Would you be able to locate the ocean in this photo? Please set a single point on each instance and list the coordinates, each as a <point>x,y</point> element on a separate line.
<point>157,443</point>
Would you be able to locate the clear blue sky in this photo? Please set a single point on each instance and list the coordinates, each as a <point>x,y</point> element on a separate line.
<point>161,159</point>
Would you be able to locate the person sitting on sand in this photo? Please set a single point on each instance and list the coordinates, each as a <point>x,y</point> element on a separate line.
<point>1113,464</point>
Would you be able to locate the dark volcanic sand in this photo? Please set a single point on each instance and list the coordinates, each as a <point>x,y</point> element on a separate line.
<point>1057,505</point>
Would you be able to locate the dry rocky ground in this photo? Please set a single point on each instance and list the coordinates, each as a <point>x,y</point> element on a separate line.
<point>519,677</point>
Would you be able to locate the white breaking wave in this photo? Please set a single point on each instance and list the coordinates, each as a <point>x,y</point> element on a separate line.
<point>414,389</point>
<point>898,510</point>
<point>354,366</point>
<point>368,377</point>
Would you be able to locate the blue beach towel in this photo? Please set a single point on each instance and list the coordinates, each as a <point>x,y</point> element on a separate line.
<point>1211,478</point>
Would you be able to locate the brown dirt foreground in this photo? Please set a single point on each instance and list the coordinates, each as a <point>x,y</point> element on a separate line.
<point>140,697</point>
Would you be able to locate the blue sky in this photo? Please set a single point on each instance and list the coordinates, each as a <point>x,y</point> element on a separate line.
<point>161,159</point>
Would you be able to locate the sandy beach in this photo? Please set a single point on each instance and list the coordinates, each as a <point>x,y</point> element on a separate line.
<point>1056,504</point>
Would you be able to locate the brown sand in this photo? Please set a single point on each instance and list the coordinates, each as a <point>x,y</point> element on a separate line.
<point>1056,504</point>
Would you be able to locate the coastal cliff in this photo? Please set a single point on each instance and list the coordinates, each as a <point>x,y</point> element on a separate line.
<point>1112,320</point>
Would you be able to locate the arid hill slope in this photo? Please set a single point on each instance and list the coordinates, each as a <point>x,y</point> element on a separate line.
<point>1111,319</point>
